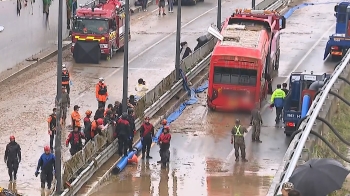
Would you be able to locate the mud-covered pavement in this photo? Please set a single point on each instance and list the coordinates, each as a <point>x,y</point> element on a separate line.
<point>202,158</point>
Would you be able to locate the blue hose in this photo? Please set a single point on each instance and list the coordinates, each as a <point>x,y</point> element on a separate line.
<point>305,105</point>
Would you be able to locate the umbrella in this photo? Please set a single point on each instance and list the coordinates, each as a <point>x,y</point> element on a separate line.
<point>319,177</point>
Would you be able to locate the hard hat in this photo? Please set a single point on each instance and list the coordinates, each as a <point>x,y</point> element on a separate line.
<point>238,121</point>
<point>164,122</point>
<point>64,69</point>
<point>47,149</point>
<point>124,115</point>
<point>12,137</point>
<point>287,186</point>
<point>100,121</point>
<point>101,79</point>
<point>147,118</point>
<point>64,66</point>
<point>167,128</point>
<point>88,112</point>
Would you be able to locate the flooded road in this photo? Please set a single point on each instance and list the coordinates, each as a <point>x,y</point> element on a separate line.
<point>202,159</point>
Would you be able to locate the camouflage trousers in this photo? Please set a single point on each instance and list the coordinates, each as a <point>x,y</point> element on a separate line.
<point>256,130</point>
<point>239,144</point>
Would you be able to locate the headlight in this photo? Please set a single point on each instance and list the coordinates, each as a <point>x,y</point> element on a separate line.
<point>103,45</point>
<point>73,44</point>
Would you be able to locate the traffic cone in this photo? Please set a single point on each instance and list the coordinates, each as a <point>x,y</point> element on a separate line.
<point>133,159</point>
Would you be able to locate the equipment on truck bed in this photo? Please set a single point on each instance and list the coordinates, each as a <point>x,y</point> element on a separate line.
<point>302,90</point>
<point>244,59</point>
<point>102,25</point>
<point>339,42</point>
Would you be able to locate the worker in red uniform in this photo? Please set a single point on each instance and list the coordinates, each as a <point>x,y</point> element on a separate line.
<point>164,143</point>
<point>101,93</point>
<point>164,123</point>
<point>65,78</point>
<point>146,135</point>
<point>123,133</point>
<point>87,125</point>
<point>75,140</point>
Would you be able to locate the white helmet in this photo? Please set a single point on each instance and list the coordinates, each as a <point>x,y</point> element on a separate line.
<point>64,69</point>
<point>64,66</point>
<point>101,80</point>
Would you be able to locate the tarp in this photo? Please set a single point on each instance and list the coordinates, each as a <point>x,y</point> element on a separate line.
<point>293,9</point>
<point>87,52</point>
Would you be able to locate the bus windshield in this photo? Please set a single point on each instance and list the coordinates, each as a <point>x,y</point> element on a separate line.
<point>90,26</point>
<point>235,76</point>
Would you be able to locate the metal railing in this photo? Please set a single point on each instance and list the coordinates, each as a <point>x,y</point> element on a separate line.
<point>296,147</point>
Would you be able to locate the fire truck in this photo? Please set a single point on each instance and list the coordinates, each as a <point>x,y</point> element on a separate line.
<point>244,59</point>
<point>102,24</point>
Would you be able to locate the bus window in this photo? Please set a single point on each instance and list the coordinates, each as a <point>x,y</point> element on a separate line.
<point>235,76</point>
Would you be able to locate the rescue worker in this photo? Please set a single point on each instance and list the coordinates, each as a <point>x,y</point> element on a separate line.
<point>12,158</point>
<point>237,139</point>
<point>101,93</point>
<point>164,143</point>
<point>277,100</point>
<point>131,120</point>
<point>284,88</point>
<point>109,118</point>
<point>66,78</point>
<point>64,104</point>
<point>109,108</point>
<point>132,100</point>
<point>47,165</point>
<point>75,140</point>
<point>123,133</point>
<point>95,129</point>
<point>269,83</point>
<point>117,108</point>
<point>146,135</point>
<point>87,126</point>
<point>76,118</point>
<point>51,123</point>
<point>164,123</point>
<point>99,112</point>
<point>256,122</point>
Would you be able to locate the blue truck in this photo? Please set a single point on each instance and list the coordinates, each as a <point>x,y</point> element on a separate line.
<point>339,42</point>
<point>303,87</point>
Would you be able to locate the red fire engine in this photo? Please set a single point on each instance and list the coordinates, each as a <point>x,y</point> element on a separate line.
<point>103,23</point>
<point>245,56</point>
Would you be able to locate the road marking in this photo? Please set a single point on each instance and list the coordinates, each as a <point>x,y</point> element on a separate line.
<point>228,158</point>
<point>153,45</point>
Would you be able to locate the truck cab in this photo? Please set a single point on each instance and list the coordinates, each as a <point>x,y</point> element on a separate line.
<point>303,87</point>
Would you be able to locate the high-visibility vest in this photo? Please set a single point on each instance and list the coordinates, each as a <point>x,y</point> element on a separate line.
<point>237,130</point>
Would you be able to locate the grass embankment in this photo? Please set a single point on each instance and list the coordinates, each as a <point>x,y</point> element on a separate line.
<point>341,122</point>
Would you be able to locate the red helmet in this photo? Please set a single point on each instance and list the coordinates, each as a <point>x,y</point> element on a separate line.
<point>47,149</point>
<point>167,128</point>
<point>12,137</point>
<point>164,122</point>
<point>100,121</point>
<point>147,118</point>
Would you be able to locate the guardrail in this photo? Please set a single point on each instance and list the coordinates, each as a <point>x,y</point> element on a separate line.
<point>322,104</point>
<point>86,162</point>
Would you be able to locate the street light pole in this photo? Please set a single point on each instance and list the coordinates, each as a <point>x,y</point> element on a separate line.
<point>218,17</point>
<point>253,4</point>
<point>58,162</point>
<point>126,56</point>
<point>178,39</point>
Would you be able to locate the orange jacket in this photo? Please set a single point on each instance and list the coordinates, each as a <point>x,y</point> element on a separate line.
<point>76,119</point>
<point>101,92</point>
<point>65,77</point>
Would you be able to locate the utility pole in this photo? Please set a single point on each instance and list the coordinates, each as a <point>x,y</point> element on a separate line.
<point>178,40</point>
<point>218,17</point>
<point>253,4</point>
<point>126,56</point>
<point>58,155</point>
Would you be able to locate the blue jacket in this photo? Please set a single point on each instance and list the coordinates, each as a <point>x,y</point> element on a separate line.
<point>277,98</point>
<point>46,163</point>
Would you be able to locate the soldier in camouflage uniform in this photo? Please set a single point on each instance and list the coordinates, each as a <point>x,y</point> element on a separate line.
<point>256,122</point>
<point>64,104</point>
<point>237,139</point>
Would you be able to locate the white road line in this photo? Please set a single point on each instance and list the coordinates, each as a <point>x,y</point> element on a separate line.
<point>153,45</point>
<point>326,33</point>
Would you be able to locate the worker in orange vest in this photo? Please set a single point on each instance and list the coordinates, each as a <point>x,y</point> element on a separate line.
<point>66,78</point>
<point>76,118</point>
<point>101,93</point>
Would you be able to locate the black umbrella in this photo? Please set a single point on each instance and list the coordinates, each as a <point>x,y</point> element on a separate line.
<point>319,177</point>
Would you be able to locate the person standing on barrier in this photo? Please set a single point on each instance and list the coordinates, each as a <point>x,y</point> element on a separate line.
<point>277,100</point>
<point>75,140</point>
<point>87,126</point>
<point>101,93</point>
<point>256,122</point>
<point>237,139</point>
<point>64,104</point>
<point>123,133</point>
<point>47,165</point>
<point>12,158</point>
<point>131,120</point>
<point>146,135</point>
<point>164,143</point>
<point>51,123</point>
